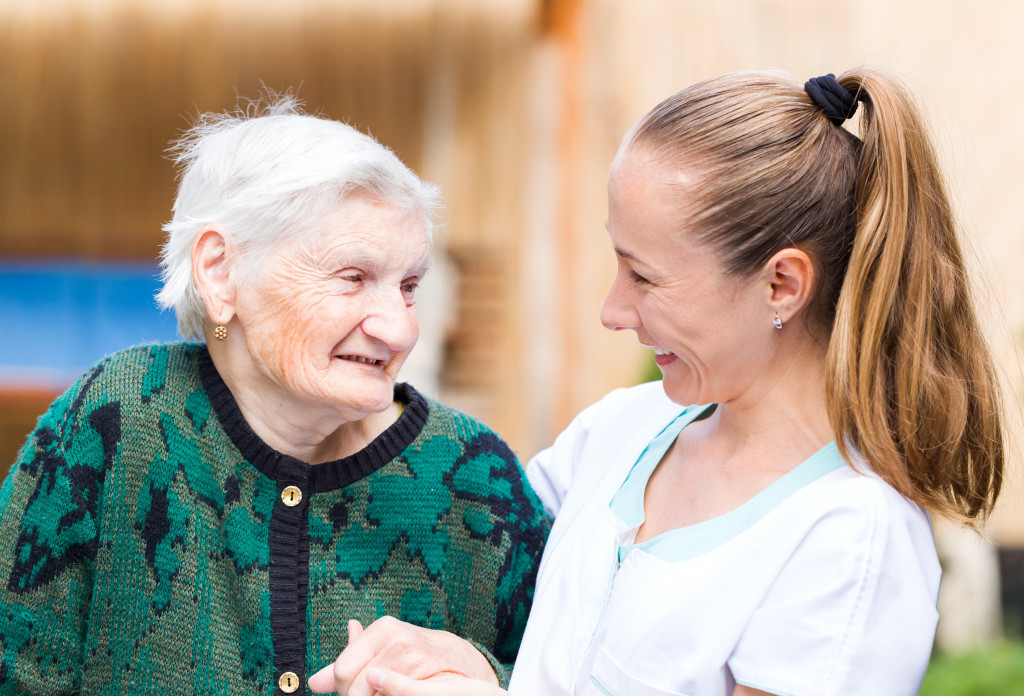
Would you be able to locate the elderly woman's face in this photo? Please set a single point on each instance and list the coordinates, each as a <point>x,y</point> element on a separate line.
<point>332,317</point>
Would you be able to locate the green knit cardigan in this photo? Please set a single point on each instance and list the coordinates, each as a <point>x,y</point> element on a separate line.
<point>151,543</point>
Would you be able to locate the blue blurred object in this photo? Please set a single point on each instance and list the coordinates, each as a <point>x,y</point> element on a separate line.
<point>59,317</point>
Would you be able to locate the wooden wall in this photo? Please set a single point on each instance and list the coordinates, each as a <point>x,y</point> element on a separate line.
<point>516,108</point>
<point>94,97</point>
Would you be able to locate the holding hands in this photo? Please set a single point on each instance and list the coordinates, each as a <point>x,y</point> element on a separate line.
<point>394,684</point>
<point>394,658</point>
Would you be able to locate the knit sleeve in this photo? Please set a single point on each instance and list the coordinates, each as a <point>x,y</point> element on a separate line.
<point>525,529</point>
<point>495,528</point>
<point>514,595</point>
<point>48,538</point>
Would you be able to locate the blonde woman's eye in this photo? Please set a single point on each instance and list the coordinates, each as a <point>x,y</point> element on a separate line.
<point>637,278</point>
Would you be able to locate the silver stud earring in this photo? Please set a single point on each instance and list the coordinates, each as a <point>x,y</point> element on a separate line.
<point>777,321</point>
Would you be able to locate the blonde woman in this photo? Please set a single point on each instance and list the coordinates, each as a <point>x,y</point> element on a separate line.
<point>758,521</point>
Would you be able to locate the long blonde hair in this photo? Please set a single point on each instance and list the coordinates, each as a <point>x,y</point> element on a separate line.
<point>910,384</point>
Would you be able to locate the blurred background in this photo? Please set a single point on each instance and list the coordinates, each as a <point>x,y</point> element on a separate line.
<point>516,108</point>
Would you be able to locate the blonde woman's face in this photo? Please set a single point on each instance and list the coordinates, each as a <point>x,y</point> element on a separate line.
<point>333,316</point>
<point>705,326</point>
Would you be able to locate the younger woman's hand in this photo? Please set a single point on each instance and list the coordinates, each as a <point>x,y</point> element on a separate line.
<point>395,684</point>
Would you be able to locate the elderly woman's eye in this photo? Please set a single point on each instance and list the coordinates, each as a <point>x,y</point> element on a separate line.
<point>410,288</point>
<point>351,277</point>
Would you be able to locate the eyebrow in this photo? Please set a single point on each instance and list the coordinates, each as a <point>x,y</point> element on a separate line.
<point>423,266</point>
<point>374,265</point>
<point>622,253</point>
<point>617,250</point>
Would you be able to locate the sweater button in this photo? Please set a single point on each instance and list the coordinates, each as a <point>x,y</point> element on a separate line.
<point>291,496</point>
<point>289,682</point>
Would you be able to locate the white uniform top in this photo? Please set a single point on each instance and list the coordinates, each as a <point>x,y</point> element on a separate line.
<point>824,583</point>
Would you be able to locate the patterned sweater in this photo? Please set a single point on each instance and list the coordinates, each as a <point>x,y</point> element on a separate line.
<point>151,543</point>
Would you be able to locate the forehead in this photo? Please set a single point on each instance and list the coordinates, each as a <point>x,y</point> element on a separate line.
<point>640,172</point>
<point>644,194</point>
<point>367,226</point>
<point>651,208</point>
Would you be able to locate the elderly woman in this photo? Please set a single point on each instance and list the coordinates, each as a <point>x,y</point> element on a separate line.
<point>757,522</point>
<point>205,518</point>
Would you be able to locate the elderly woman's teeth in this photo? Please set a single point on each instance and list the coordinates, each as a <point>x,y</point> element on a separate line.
<point>359,358</point>
<point>660,351</point>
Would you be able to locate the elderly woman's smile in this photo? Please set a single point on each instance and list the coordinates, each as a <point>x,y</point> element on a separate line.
<point>358,358</point>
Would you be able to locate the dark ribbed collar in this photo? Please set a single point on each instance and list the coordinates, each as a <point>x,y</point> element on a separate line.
<point>319,477</point>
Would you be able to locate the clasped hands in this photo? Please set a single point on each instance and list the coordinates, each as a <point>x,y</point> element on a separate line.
<point>392,658</point>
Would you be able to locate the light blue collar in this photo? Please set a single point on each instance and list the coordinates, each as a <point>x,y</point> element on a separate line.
<point>688,542</point>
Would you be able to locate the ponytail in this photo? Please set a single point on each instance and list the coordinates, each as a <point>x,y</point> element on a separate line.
<point>910,385</point>
<point>910,382</point>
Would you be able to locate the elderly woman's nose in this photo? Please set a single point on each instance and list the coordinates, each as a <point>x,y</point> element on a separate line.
<point>390,320</point>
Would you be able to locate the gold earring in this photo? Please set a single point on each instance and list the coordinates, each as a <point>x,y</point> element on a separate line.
<point>221,332</point>
<point>777,321</point>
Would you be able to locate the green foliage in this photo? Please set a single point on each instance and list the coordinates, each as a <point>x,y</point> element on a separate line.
<point>651,371</point>
<point>996,670</point>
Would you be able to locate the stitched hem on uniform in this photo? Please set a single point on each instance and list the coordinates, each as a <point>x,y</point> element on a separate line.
<point>320,477</point>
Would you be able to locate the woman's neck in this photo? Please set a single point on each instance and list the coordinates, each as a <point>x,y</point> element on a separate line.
<point>784,410</point>
<point>719,462</point>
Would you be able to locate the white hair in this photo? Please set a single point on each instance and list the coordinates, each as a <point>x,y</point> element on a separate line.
<point>267,174</point>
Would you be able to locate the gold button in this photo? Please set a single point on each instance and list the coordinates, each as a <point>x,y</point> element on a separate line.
<point>291,496</point>
<point>289,682</point>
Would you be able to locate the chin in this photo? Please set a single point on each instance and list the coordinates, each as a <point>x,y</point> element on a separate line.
<point>684,395</point>
<point>370,401</point>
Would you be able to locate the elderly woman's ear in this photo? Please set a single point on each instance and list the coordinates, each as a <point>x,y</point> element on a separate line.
<point>211,275</point>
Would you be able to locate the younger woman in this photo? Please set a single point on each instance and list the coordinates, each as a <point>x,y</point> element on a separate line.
<point>757,522</point>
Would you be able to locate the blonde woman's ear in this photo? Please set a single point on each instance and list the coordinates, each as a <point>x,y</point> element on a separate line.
<point>790,276</point>
<point>211,276</point>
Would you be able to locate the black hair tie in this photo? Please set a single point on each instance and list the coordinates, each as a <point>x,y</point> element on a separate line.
<point>837,102</point>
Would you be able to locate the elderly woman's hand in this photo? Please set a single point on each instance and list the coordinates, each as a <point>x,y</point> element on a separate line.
<point>419,653</point>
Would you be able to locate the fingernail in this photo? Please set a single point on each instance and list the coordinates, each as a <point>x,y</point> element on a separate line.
<point>355,629</point>
<point>376,677</point>
<point>316,681</point>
